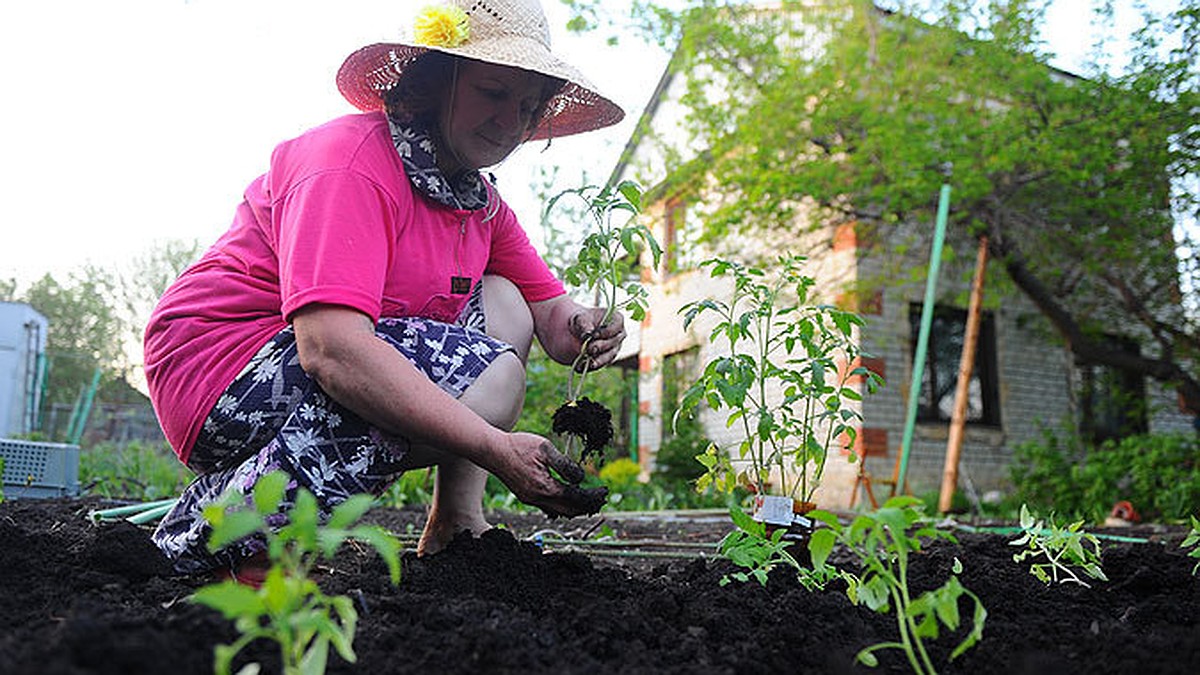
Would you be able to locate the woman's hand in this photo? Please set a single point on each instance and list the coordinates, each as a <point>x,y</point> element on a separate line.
<point>603,340</point>
<point>526,469</point>
<point>562,325</point>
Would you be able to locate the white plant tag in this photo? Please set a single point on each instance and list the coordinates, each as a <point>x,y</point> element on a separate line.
<point>773,509</point>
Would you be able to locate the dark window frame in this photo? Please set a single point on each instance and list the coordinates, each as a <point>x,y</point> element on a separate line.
<point>943,358</point>
<point>1113,403</point>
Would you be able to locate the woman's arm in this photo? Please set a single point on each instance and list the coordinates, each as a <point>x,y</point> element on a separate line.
<point>339,349</point>
<point>561,325</point>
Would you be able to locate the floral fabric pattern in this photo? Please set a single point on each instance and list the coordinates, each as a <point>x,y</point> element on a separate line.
<point>275,417</point>
<point>465,190</point>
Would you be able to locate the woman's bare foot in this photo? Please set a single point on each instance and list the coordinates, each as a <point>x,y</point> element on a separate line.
<point>440,531</point>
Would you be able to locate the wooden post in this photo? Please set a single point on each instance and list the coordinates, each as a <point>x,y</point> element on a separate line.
<point>958,421</point>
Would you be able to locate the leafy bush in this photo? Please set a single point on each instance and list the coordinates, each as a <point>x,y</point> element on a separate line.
<point>139,471</point>
<point>620,474</point>
<point>675,463</point>
<point>1158,473</point>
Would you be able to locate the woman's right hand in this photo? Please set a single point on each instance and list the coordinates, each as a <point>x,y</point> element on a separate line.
<point>528,468</point>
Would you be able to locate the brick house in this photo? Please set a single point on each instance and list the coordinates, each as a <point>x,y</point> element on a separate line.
<point>1023,378</point>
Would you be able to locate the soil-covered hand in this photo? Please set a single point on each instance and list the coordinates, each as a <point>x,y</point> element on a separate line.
<point>604,339</point>
<point>529,469</point>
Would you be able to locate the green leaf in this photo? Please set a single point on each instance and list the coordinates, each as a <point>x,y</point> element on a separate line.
<point>234,525</point>
<point>268,492</point>
<point>744,522</point>
<point>632,193</point>
<point>231,599</point>
<point>348,512</point>
<point>314,660</point>
<point>820,546</point>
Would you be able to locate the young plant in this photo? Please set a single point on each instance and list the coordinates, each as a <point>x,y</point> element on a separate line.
<point>290,608</point>
<point>784,381</point>
<point>601,268</point>
<point>750,546</point>
<point>882,541</point>
<point>1063,551</point>
<point>1193,540</point>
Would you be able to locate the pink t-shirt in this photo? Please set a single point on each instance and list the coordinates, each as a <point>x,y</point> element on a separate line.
<point>334,220</point>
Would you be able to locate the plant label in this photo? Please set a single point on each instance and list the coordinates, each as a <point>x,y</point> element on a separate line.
<point>773,509</point>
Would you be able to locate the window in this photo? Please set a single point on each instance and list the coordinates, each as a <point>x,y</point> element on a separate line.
<point>940,379</point>
<point>1112,402</point>
<point>679,371</point>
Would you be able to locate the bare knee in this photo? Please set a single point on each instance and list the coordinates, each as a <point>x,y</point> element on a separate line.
<point>499,392</point>
<point>507,315</point>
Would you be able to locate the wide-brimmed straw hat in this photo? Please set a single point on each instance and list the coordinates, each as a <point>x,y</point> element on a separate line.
<point>505,32</point>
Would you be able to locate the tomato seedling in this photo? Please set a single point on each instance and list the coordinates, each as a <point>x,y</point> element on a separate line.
<point>290,608</point>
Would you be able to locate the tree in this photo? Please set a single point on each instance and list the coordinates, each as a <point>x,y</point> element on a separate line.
<point>85,330</point>
<point>1076,182</point>
<point>147,276</point>
<point>96,319</point>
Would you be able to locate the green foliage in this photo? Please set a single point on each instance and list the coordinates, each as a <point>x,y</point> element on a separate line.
<point>598,266</point>
<point>777,342</point>
<point>882,541</point>
<point>412,487</point>
<point>750,547</point>
<point>290,608</point>
<point>1063,550</point>
<point>864,114</point>
<point>621,474</point>
<point>626,492</point>
<point>1193,540</point>
<point>138,471</point>
<point>675,462</point>
<point>94,314</point>
<point>86,330</point>
<point>1158,473</point>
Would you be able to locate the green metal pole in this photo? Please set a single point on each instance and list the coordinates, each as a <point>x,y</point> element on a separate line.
<point>633,415</point>
<point>914,391</point>
<point>85,410</point>
<point>43,368</point>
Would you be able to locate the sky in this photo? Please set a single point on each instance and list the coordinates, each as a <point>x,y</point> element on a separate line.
<point>127,123</point>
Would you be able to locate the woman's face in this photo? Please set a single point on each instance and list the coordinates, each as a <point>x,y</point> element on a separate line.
<point>487,114</point>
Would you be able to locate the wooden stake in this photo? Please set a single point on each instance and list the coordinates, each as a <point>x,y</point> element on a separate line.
<point>958,421</point>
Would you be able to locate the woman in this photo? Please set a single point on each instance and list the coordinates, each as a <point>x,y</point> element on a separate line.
<point>371,307</point>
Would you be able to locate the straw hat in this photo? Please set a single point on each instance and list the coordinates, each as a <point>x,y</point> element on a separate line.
<point>504,32</point>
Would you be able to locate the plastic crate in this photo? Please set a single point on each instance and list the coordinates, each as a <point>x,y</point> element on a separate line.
<point>39,470</point>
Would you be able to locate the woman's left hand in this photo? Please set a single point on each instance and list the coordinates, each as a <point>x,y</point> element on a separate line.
<point>603,340</point>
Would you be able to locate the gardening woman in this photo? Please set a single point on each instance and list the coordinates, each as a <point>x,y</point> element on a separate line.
<point>372,305</point>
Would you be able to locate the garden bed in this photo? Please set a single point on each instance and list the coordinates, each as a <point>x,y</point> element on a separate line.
<point>84,598</point>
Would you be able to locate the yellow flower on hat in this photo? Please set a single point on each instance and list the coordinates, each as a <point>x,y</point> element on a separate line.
<point>438,26</point>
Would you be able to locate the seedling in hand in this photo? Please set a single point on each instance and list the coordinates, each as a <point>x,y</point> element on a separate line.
<point>598,270</point>
<point>1063,551</point>
<point>290,608</point>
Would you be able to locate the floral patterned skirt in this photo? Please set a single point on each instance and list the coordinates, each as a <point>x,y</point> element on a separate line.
<point>275,417</point>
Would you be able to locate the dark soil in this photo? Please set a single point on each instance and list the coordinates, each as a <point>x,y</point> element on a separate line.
<point>588,421</point>
<point>84,598</point>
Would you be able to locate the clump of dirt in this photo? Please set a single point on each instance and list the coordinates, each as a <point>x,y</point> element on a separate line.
<point>83,598</point>
<point>587,420</point>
